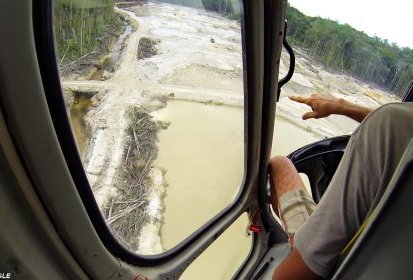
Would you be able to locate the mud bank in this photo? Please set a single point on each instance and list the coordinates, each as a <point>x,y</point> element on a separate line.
<point>118,148</point>
<point>79,103</point>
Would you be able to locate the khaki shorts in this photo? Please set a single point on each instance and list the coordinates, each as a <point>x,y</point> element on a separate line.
<point>295,208</point>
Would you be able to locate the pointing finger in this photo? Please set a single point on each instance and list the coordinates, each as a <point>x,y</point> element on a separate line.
<point>300,99</point>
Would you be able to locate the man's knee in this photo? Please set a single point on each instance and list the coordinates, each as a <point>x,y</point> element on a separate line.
<point>278,162</point>
<point>284,175</point>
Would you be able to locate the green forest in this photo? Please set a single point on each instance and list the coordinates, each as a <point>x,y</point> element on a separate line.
<point>229,8</point>
<point>343,48</point>
<point>83,27</point>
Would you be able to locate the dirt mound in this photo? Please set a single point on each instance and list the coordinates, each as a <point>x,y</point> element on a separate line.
<point>147,47</point>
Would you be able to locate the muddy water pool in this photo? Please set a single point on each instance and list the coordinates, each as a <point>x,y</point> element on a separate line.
<point>81,105</point>
<point>203,144</point>
<point>203,153</point>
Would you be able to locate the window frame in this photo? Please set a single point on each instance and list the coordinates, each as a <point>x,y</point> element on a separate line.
<point>24,103</point>
<point>253,38</point>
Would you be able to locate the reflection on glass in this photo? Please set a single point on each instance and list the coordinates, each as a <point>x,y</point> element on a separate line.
<point>154,92</point>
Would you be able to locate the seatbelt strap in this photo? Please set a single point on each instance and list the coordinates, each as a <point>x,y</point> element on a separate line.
<point>353,240</point>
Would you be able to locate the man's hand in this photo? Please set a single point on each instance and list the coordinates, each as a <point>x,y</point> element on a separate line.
<point>325,105</point>
<point>322,105</point>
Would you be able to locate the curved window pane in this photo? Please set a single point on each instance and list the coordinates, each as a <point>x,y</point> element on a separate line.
<point>225,255</point>
<point>339,60</point>
<point>154,91</point>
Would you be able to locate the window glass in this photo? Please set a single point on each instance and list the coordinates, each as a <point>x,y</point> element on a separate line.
<point>344,58</point>
<point>225,255</point>
<point>154,91</point>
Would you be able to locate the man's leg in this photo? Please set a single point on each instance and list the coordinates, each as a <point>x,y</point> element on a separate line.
<point>288,191</point>
<point>288,194</point>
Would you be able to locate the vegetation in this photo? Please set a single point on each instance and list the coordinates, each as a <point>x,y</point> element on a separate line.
<point>225,7</point>
<point>146,47</point>
<point>343,48</point>
<point>127,212</point>
<point>83,27</point>
<point>230,8</point>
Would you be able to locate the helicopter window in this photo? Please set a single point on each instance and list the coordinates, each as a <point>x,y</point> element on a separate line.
<point>335,59</point>
<point>155,96</point>
<point>225,255</point>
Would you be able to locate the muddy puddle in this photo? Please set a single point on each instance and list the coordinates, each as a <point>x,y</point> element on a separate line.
<point>82,103</point>
<point>203,153</point>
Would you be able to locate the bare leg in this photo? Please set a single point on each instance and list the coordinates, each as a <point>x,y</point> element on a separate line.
<point>283,178</point>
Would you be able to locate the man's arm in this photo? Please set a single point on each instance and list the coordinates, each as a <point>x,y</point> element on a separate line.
<point>293,267</point>
<point>325,105</point>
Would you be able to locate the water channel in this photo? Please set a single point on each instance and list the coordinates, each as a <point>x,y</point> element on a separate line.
<point>110,62</point>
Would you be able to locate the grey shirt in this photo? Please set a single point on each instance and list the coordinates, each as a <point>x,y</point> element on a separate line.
<point>363,174</point>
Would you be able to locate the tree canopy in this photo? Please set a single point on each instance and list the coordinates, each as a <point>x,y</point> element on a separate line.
<point>83,26</point>
<point>87,3</point>
<point>341,47</point>
<point>230,8</point>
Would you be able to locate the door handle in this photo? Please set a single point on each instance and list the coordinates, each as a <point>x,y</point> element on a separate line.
<point>290,72</point>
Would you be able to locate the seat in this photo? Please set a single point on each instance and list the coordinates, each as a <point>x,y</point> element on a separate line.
<point>384,246</point>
